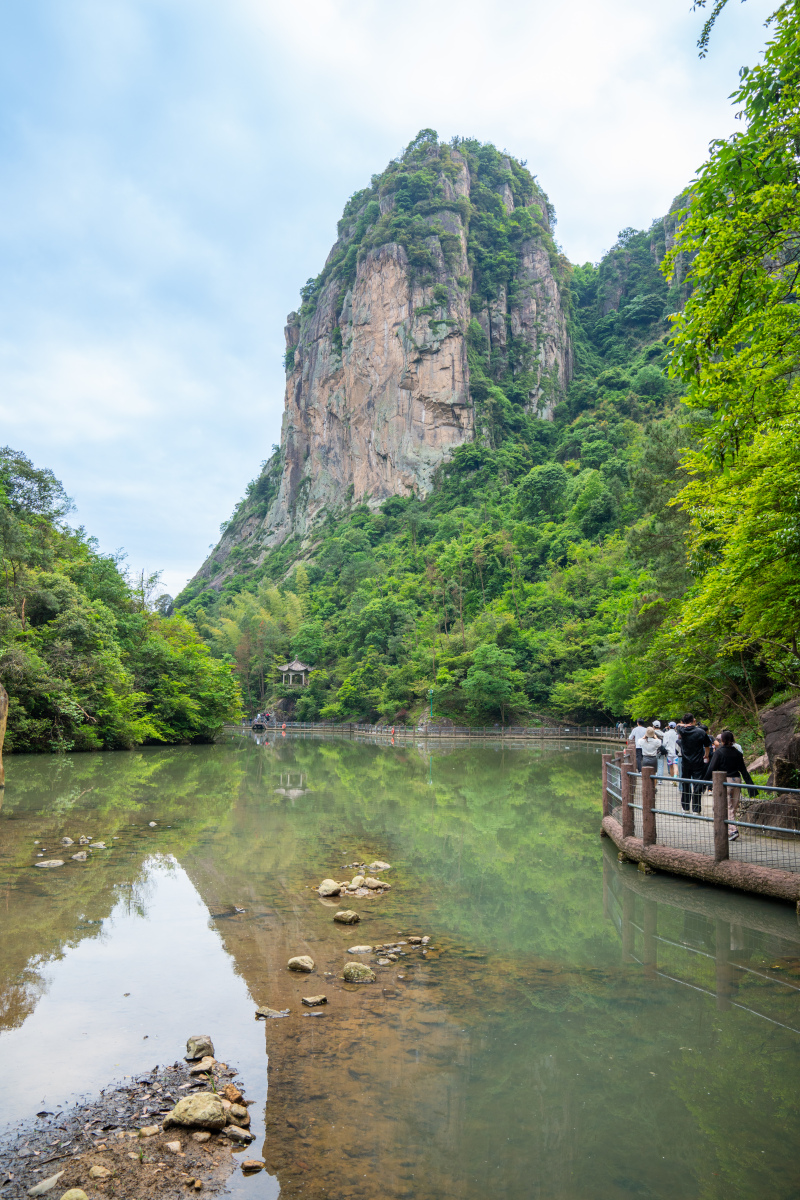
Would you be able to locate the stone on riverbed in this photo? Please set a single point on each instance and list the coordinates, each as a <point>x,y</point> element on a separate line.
<point>48,864</point>
<point>251,1165</point>
<point>379,866</point>
<point>263,1011</point>
<point>302,962</point>
<point>347,917</point>
<point>201,1135</point>
<point>67,842</point>
<point>329,887</point>
<point>373,883</point>
<point>97,846</point>
<point>360,950</point>
<point>238,1135</point>
<point>358,973</point>
<point>81,856</point>
<point>204,1110</point>
<point>238,1115</point>
<point>313,1001</point>
<point>203,1066</point>
<point>357,881</point>
<point>199,1046</point>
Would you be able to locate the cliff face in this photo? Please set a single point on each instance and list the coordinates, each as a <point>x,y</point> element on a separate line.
<point>444,283</point>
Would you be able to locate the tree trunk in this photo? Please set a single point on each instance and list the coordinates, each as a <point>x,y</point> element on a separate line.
<point>3,719</point>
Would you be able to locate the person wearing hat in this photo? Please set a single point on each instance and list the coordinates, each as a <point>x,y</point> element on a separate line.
<point>671,745</point>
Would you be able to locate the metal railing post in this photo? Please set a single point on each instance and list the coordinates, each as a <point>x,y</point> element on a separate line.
<point>648,804</point>
<point>625,792</point>
<point>606,801</point>
<point>720,801</point>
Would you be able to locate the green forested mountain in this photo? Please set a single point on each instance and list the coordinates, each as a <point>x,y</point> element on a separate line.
<point>88,662</point>
<point>637,552</point>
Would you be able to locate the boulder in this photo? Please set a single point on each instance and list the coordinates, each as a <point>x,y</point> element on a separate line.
<point>329,887</point>
<point>357,881</point>
<point>759,764</point>
<point>302,962</point>
<point>372,883</point>
<point>355,972</point>
<point>782,741</point>
<point>347,917</point>
<point>199,1046</point>
<point>204,1110</point>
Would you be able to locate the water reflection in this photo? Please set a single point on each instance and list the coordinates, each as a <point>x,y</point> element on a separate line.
<point>576,1030</point>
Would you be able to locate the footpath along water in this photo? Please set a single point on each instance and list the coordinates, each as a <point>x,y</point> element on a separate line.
<point>574,1030</point>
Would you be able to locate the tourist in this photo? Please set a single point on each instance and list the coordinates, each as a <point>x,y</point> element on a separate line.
<point>695,744</point>
<point>661,767</point>
<point>635,739</point>
<point>729,759</point>
<point>669,743</point>
<point>650,746</point>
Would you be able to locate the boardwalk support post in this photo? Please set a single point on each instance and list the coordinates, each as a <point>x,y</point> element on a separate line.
<point>648,804</point>
<point>720,800</point>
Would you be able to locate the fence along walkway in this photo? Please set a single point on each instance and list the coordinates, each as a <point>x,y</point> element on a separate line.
<point>592,733</point>
<point>650,820</point>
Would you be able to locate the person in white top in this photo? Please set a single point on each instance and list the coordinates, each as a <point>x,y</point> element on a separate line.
<point>671,743</point>
<point>651,744</point>
<point>635,739</point>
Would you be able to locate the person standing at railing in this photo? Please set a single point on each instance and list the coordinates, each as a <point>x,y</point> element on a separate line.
<point>695,744</point>
<point>669,744</point>
<point>651,744</point>
<point>729,759</point>
<point>635,739</point>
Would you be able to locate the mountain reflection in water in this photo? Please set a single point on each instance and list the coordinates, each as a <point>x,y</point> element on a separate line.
<point>576,1029</point>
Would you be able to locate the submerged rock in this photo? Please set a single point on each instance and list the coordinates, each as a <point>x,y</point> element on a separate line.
<point>355,972</point>
<point>379,866</point>
<point>204,1110</point>
<point>67,842</point>
<point>360,950</point>
<point>81,856</point>
<point>302,962</point>
<point>48,864</point>
<point>347,917</point>
<point>273,1013</point>
<point>238,1135</point>
<point>199,1046</point>
<point>329,887</point>
<point>97,846</point>
<point>84,841</point>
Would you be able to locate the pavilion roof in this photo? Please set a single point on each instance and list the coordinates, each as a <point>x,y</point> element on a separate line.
<point>295,665</point>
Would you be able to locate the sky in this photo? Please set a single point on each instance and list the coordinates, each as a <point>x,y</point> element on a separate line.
<point>173,171</point>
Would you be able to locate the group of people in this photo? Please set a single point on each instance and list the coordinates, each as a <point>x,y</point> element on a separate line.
<point>687,751</point>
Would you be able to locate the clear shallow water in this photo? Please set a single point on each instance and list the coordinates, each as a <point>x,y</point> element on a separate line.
<point>578,1031</point>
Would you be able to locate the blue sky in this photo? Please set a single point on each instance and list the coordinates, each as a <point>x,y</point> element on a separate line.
<point>173,171</point>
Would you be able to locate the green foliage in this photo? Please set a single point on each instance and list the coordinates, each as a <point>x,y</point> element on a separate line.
<point>87,660</point>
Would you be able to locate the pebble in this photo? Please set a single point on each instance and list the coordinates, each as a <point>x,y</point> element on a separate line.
<point>302,962</point>
<point>199,1046</point>
<point>152,824</point>
<point>347,917</point>
<point>150,1130</point>
<point>175,1147</point>
<point>358,973</point>
<point>97,1172</point>
<point>360,950</point>
<point>46,1185</point>
<point>313,1001</point>
<point>263,1011</point>
<point>231,1092</point>
<point>384,962</point>
<point>425,940</point>
<point>48,863</point>
<point>251,1165</point>
<point>203,1066</point>
<point>201,1135</point>
<point>75,1194</point>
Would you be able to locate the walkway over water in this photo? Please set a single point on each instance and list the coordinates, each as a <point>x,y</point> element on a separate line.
<point>683,825</point>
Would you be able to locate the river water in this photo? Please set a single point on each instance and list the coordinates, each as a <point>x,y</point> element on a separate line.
<point>576,1029</point>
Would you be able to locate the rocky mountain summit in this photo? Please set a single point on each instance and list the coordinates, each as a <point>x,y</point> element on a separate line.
<point>440,303</point>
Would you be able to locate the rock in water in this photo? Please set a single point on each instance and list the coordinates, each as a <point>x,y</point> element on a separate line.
<point>251,1165</point>
<point>238,1135</point>
<point>48,863</point>
<point>231,1092</point>
<point>203,1110</point>
<point>357,881</point>
<point>373,883</point>
<point>347,917</point>
<point>97,846</point>
<point>203,1066</point>
<point>379,866</point>
<point>199,1046</point>
<point>81,856</point>
<point>46,1185</point>
<point>360,950</point>
<point>67,842</point>
<point>313,1001</point>
<point>301,962</point>
<point>84,841</point>
<point>263,1011</point>
<point>238,1115</point>
<point>329,887</point>
<point>358,973</point>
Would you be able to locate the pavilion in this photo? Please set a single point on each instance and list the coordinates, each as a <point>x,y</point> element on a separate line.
<point>293,668</point>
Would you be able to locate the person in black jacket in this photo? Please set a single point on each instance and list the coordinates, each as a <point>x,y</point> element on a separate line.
<point>695,743</point>
<point>730,760</point>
